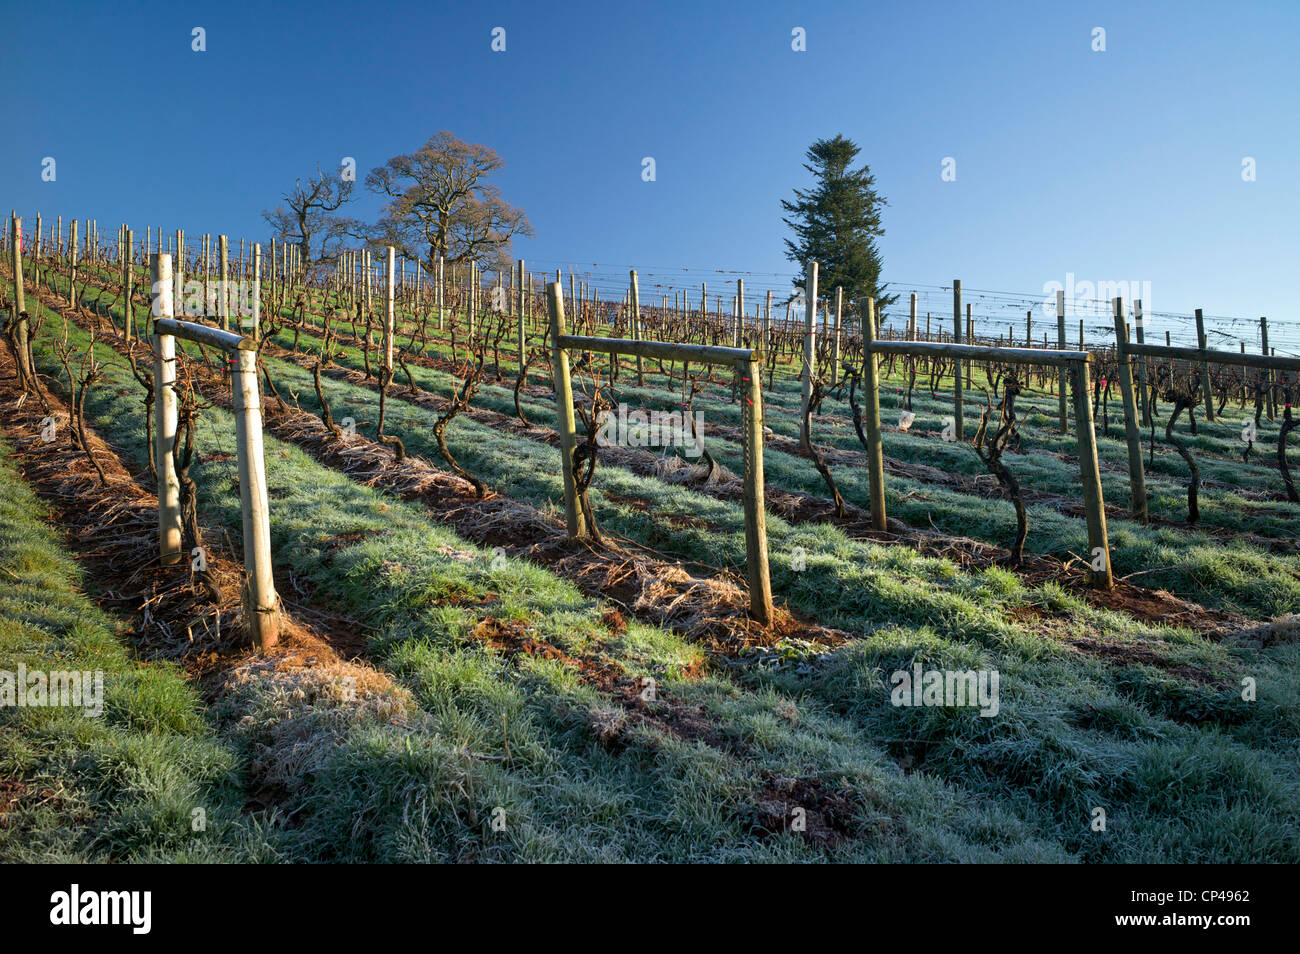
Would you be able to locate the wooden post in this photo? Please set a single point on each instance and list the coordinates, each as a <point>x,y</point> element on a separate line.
<point>178,274</point>
<point>1139,331</point>
<point>223,298</point>
<point>1206,390</point>
<point>72,262</point>
<point>1270,404</point>
<point>1090,478</point>
<point>389,280</point>
<point>519,297</point>
<point>564,409</point>
<point>636,327</point>
<point>740,311</point>
<point>128,309</point>
<point>970,337</point>
<point>1063,382</point>
<point>254,324</point>
<point>809,352</point>
<point>1136,478</point>
<point>760,584</point>
<point>442,314</point>
<point>871,395</point>
<point>835,348</point>
<point>165,419</point>
<point>261,605</point>
<point>20,305</point>
<point>957,404</point>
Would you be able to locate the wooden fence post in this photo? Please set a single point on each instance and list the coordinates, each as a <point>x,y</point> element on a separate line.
<point>1270,403</point>
<point>1064,377</point>
<point>760,584</point>
<point>835,348</point>
<point>389,313</point>
<point>1136,478</point>
<point>1139,331</point>
<point>1206,390</point>
<point>635,322</point>
<point>442,314</point>
<point>519,297</point>
<point>223,297</point>
<point>809,353</point>
<point>165,419</point>
<point>261,605</point>
<point>20,306</point>
<point>72,262</point>
<point>128,325</point>
<point>957,404</point>
<point>871,395</point>
<point>254,327</point>
<point>1090,479</point>
<point>740,312</point>
<point>564,409</point>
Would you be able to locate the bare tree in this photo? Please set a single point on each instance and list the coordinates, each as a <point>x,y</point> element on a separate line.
<point>306,216</point>
<point>441,204</point>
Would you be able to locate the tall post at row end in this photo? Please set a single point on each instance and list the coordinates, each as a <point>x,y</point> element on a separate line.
<point>809,354</point>
<point>871,395</point>
<point>564,409</point>
<point>957,402</point>
<point>1136,477</point>
<point>261,604</point>
<point>760,584</point>
<point>165,419</point>
<point>1064,379</point>
<point>1090,479</point>
<point>1207,391</point>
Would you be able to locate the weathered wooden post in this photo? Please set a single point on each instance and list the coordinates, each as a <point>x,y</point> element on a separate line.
<point>128,329</point>
<point>253,326</point>
<point>957,403</point>
<point>442,314</point>
<point>1206,391</point>
<point>1270,403</point>
<point>389,313</point>
<point>740,311</point>
<point>1136,478</point>
<point>871,395</point>
<point>1064,377</point>
<point>519,301</point>
<point>72,262</point>
<point>178,274</point>
<point>223,297</point>
<point>165,419</point>
<point>1090,479</point>
<point>636,326</point>
<point>1139,331</point>
<point>261,603</point>
<point>760,584</point>
<point>564,409</point>
<point>835,348</point>
<point>809,353</point>
<point>20,305</point>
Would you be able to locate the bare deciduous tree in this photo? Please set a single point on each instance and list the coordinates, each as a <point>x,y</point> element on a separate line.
<point>306,216</point>
<point>441,204</point>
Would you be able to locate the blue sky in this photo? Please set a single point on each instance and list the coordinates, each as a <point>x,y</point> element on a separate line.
<point>1123,165</point>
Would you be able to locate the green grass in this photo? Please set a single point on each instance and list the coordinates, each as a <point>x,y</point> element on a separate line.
<point>121,786</point>
<point>1185,768</point>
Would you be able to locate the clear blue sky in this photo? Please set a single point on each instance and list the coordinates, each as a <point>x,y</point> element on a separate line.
<point>1123,165</point>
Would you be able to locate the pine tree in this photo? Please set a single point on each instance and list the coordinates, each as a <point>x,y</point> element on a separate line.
<point>836,224</point>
